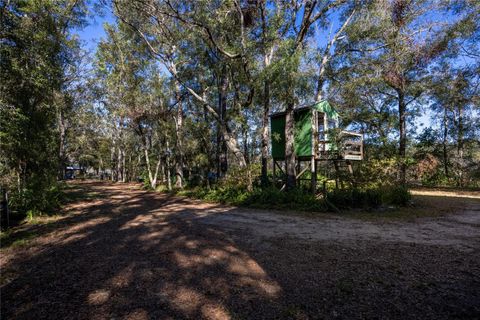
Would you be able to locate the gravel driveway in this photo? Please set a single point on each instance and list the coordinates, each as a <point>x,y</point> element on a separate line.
<point>131,254</point>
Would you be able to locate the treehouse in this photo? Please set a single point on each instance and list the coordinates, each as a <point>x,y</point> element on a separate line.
<point>317,137</point>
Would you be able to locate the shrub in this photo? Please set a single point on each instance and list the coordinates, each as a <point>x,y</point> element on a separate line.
<point>351,198</point>
<point>39,197</point>
<point>370,198</point>
<point>259,198</point>
<point>159,188</point>
<point>242,178</point>
<point>375,173</point>
<point>396,195</point>
<point>274,198</point>
<point>299,199</point>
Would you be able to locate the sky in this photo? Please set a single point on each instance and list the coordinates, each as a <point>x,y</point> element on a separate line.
<point>94,32</point>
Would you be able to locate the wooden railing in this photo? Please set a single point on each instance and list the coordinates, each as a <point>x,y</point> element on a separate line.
<point>351,145</point>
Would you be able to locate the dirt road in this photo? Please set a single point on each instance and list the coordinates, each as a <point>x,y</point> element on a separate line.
<point>131,254</point>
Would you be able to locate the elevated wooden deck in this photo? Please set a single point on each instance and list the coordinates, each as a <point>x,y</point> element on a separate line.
<point>350,147</point>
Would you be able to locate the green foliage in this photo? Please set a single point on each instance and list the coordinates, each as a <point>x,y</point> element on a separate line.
<point>242,178</point>
<point>396,195</point>
<point>271,198</point>
<point>36,51</point>
<point>376,173</point>
<point>296,199</point>
<point>232,66</point>
<point>355,198</point>
<point>17,239</point>
<point>303,200</point>
<point>369,197</point>
<point>32,203</point>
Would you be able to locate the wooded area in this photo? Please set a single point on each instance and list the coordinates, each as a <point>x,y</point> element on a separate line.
<point>179,93</point>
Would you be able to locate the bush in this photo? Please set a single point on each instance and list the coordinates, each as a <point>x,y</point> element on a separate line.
<point>303,200</point>
<point>370,198</point>
<point>274,198</point>
<point>396,195</point>
<point>39,197</point>
<point>351,198</point>
<point>259,198</point>
<point>241,178</point>
<point>375,173</point>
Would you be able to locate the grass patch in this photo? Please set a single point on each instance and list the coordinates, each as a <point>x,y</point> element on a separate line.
<point>75,192</point>
<point>26,228</point>
<point>29,230</point>
<point>16,239</point>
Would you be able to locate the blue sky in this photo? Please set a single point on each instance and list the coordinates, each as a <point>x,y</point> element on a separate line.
<point>94,32</point>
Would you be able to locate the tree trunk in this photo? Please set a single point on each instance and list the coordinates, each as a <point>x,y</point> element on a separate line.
<point>179,140</point>
<point>460,143</point>
<point>149,168</point>
<point>267,58</point>
<point>119,164</point>
<point>100,168</point>
<point>61,151</point>
<point>403,135</point>
<point>230,142</point>
<point>326,57</point>
<point>290,147</point>
<point>164,177</point>
<point>245,143</point>
<point>232,145</point>
<point>319,95</point>
<point>222,161</point>
<point>444,141</point>
<point>167,162</point>
<point>321,78</point>
<point>113,162</point>
<point>124,169</point>
<point>265,135</point>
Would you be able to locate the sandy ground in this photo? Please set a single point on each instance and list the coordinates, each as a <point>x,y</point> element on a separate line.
<point>131,254</point>
<point>460,231</point>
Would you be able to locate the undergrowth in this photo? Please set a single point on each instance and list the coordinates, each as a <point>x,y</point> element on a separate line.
<point>303,200</point>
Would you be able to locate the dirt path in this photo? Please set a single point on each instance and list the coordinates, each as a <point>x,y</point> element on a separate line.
<point>132,254</point>
<point>460,230</point>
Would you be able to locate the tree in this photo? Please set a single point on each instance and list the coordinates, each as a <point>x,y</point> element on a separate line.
<point>188,40</point>
<point>311,12</point>
<point>36,48</point>
<point>392,45</point>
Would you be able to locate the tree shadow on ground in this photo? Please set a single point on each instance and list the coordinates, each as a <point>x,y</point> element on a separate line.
<point>128,257</point>
<point>137,255</point>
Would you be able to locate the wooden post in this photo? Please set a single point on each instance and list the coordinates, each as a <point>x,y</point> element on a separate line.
<point>349,164</point>
<point>352,177</point>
